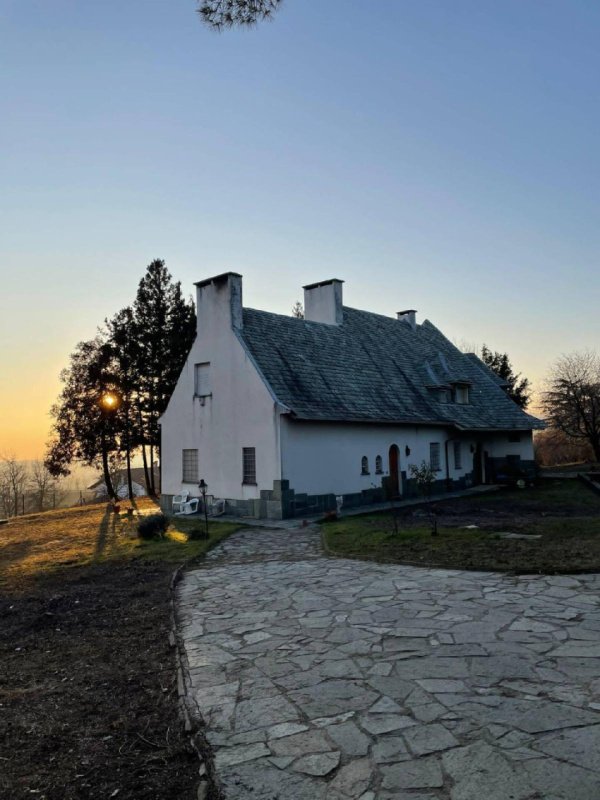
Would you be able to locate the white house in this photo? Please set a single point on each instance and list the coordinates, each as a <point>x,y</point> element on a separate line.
<point>120,485</point>
<point>280,415</point>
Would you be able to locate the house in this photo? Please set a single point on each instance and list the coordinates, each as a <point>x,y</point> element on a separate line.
<point>138,482</point>
<point>280,415</point>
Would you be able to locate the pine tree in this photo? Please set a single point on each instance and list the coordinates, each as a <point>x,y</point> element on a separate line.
<point>166,325</point>
<point>518,389</point>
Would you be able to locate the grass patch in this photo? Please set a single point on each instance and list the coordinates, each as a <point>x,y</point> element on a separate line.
<point>40,543</point>
<point>565,514</point>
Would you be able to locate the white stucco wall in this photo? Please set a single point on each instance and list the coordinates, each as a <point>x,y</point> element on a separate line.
<point>497,445</point>
<point>239,413</point>
<point>319,458</point>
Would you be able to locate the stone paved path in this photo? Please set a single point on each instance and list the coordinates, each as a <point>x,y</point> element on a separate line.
<point>330,679</point>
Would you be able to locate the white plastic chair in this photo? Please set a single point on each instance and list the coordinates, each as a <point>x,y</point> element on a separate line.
<point>189,507</point>
<point>179,500</point>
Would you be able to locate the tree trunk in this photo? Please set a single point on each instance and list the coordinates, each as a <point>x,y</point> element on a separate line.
<point>107,481</point>
<point>144,456</point>
<point>128,453</point>
<point>152,468</point>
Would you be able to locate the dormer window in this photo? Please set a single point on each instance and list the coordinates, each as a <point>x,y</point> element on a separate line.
<point>444,396</point>
<point>461,393</point>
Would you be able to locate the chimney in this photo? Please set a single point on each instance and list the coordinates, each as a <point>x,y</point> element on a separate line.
<point>409,316</point>
<point>219,302</point>
<point>323,302</point>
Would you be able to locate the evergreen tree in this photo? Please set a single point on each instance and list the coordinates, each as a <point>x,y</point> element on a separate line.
<point>221,14</point>
<point>165,323</point>
<point>518,389</point>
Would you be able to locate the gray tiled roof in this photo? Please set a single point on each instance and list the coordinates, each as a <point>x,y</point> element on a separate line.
<point>374,369</point>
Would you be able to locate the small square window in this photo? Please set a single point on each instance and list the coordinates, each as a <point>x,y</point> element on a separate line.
<point>190,466</point>
<point>249,465</point>
<point>202,379</point>
<point>434,456</point>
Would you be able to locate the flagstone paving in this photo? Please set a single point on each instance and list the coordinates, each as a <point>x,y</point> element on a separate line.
<point>327,679</point>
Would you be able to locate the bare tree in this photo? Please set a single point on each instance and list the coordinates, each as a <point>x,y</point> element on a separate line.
<point>44,487</point>
<point>219,14</point>
<point>13,482</point>
<point>553,447</point>
<point>571,401</point>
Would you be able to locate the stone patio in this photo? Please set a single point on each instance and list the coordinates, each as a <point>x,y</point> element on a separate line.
<point>335,679</point>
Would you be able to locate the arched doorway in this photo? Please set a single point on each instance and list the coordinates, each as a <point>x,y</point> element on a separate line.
<point>394,461</point>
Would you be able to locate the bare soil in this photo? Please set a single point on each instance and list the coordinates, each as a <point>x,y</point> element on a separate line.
<point>88,694</point>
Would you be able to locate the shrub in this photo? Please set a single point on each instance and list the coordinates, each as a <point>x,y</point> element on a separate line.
<point>153,526</point>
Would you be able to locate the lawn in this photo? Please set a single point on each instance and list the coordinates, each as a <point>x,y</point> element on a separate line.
<point>88,696</point>
<point>563,513</point>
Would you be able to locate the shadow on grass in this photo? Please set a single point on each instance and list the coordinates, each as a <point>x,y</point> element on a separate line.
<point>107,533</point>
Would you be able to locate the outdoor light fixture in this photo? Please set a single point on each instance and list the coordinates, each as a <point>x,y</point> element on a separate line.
<point>203,487</point>
<point>407,450</point>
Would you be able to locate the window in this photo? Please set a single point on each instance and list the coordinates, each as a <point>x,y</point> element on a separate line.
<point>443,395</point>
<point>364,466</point>
<point>190,466</point>
<point>434,456</point>
<point>457,455</point>
<point>461,393</point>
<point>514,437</point>
<point>378,465</point>
<point>202,379</point>
<point>249,465</point>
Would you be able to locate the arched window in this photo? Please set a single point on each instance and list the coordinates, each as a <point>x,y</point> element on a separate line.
<point>378,465</point>
<point>364,466</point>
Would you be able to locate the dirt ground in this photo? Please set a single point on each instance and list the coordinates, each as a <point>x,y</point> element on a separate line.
<point>88,695</point>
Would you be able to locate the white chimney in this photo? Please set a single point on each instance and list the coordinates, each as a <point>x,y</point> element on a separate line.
<point>409,316</point>
<point>323,302</point>
<point>219,302</point>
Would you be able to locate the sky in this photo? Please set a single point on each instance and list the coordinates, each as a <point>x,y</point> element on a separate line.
<point>435,155</point>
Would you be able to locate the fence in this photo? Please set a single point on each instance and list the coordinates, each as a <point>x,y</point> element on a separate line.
<point>32,502</point>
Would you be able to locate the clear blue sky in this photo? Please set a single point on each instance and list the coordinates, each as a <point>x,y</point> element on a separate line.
<point>436,155</point>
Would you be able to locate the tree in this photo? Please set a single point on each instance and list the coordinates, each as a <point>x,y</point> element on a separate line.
<point>518,388</point>
<point>571,401</point>
<point>219,14</point>
<point>13,481</point>
<point>298,310</point>
<point>166,326</point>
<point>553,447</point>
<point>134,362</point>
<point>82,430</point>
<point>124,341</point>
<point>43,485</point>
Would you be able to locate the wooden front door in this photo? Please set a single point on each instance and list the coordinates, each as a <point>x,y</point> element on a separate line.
<point>394,458</point>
